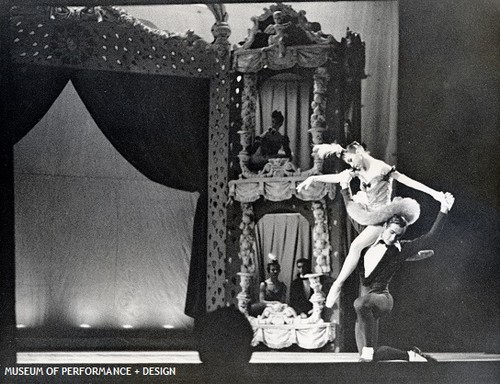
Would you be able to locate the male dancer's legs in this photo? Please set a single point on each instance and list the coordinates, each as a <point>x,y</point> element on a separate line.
<point>370,307</point>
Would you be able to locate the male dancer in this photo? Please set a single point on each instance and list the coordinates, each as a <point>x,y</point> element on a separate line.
<point>379,263</point>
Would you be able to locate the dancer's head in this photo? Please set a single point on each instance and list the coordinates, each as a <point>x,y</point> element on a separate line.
<point>277,119</point>
<point>354,155</point>
<point>273,268</point>
<point>303,266</point>
<point>394,229</point>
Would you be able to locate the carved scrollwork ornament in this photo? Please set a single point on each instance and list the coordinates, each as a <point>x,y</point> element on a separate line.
<point>248,251</point>
<point>321,238</point>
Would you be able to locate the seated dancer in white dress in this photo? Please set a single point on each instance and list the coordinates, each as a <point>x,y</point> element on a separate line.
<point>372,206</point>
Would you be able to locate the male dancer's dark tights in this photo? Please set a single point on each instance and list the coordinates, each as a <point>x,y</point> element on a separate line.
<point>370,306</point>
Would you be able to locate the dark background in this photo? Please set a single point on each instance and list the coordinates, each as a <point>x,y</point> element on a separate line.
<point>449,75</point>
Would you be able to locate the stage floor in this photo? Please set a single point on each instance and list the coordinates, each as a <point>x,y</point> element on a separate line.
<point>271,367</point>
<point>191,357</point>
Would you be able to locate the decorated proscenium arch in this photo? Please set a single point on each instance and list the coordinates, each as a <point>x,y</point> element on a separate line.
<point>104,38</point>
<point>108,39</point>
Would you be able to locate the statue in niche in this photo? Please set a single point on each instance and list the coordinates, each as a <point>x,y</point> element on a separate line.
<point>281,26</point>
<point>284,33</point>
<point>270,145</point>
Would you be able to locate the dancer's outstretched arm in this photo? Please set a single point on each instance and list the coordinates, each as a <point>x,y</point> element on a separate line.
<point>333,178</point>
<point>403,179</point>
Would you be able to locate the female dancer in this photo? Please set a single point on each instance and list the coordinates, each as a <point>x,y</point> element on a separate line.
<point>372,206</point>
<point>272,291</point>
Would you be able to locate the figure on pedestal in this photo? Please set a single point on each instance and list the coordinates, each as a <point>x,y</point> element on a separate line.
<point>271,144</point>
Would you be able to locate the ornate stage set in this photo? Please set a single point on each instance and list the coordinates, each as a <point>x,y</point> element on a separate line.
<point>283,46</point>
<point>292,46</point>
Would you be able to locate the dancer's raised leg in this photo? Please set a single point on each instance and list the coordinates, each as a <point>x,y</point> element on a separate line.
<point>366,238</point>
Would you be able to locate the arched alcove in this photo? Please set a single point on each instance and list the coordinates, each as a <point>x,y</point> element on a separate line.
<point>286,235</point>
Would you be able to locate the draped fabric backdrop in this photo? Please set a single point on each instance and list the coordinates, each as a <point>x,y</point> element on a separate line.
<point>288,237</point>
<point>101,237</point>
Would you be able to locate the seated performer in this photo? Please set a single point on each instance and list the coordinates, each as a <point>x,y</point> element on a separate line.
<point>271,144</point>
<point>272,291</point>
<point>379,262</point>
<point>300,289</point>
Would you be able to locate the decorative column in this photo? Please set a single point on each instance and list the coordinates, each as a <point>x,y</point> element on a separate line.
<point>247,239</point>
<point>218,155</point>
<point>248,110</point>
<point>321,238</point>
<point>317,298</point>
<point>318,117</point>
<point>246,254</point>
<point>243,297</point>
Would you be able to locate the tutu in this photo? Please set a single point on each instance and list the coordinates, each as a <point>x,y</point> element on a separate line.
<point>402,206</point>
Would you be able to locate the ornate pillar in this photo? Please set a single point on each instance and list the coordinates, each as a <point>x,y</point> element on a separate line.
<point>248,110</point>
<point>243,297</point>
<point>321,238</point>
<point>218,153</point>
<point>247,239</point>
<point>317,298</point>
<point>318,116</point>
<point>247,255</point>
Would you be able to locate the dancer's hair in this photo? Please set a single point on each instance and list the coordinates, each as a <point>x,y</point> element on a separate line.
<point>398,220</point>
<point>278,116</point>
<point>340,152</point>
<point>353,148</point>
<point>303,260</point>
<point>275,263</point>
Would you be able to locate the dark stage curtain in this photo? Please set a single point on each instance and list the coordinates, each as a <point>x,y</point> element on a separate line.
<point>26,94</point>
<point>31,91</point>
<point>158,123</point>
